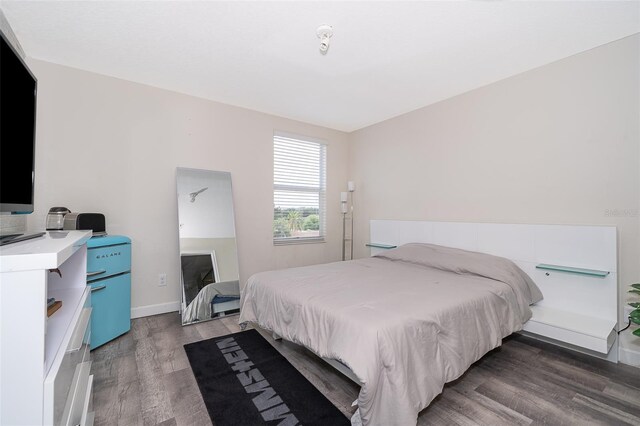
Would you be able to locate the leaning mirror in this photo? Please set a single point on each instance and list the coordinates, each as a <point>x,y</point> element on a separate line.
<point>208,253</point>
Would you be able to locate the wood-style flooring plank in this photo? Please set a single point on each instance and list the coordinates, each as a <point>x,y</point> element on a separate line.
<point>140,328</point>
<point>532,402</point>
<point>624,393</point>
<point>169,346</point>
<point>119,403</point>
<point>155,404</point>
<point>231,322</point>
<point>482,413</point>
<point>621,373</point>
<point>525,376</point>
<point>121,346</point>
<point>607,410</point>
<point>507,415</point>
<point>119,369</point>
<point>211,329</point>
<point>186,401</point>
<point>160,322</point>
<point>143,378</point>
<point>442,414</point>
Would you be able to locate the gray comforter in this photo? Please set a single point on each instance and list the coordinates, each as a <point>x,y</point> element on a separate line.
<point>406,321</point>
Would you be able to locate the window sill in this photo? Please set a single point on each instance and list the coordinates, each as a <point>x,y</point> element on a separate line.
<point>290,241</point>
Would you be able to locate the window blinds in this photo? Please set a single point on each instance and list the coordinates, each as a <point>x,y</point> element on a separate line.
<point>299,184</point>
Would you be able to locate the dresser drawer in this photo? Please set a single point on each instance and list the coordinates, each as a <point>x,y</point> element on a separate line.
<point>109,260</point>
<point>76,353</point>
<point>80,398</point>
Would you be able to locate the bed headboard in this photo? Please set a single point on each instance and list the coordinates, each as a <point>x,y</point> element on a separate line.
<point>592,289</point>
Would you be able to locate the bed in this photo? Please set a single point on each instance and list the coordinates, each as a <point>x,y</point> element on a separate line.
<point>212,299</point>
<point>404,322</point>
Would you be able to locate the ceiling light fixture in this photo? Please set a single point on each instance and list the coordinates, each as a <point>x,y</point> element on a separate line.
<point>324,33</point>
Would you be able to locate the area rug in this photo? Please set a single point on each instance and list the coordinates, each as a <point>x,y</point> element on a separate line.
<point>245,381</point>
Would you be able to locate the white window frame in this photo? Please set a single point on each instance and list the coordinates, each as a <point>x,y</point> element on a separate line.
<point>321,190</point>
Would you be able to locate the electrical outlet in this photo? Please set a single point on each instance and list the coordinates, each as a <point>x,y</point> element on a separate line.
<point>162,280</point>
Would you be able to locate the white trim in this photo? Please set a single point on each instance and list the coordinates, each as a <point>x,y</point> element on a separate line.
<point>629,357</point>
<point>297,240</point>
<point>161,308</point>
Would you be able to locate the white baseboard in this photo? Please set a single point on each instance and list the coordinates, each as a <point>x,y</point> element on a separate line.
<point>161,308</point>
<point>630,357</point>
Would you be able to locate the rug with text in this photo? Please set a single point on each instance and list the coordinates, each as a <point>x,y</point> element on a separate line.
<point>246,381</point>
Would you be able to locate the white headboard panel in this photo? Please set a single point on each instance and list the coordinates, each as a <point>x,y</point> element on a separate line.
<point>587,247</point>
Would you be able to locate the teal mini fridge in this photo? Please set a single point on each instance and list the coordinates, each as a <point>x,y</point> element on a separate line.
<point>109,275</point>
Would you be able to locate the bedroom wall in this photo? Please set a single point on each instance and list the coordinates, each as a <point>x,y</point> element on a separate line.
<point>556,145</point>
<point>112,146</point>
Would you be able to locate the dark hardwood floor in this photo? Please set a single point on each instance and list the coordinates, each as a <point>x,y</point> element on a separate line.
<point>144,378</point>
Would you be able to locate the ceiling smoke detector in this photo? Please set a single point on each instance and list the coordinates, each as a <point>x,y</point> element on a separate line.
<point>324,33</point>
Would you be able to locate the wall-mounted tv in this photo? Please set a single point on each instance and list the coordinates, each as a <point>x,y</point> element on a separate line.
<point>18,91</point>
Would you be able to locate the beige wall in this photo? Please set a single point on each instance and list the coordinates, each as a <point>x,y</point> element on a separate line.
<point>111,146</point>
<point>559,144</point>
<point>555,145</point>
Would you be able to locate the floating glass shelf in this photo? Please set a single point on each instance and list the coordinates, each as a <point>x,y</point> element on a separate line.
<point>572,270</point>
<point>381,246</point>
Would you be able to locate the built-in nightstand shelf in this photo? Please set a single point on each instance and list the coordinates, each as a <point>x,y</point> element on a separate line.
<point>582,331</point>
<point>380,246</point>
<point>572,270</point>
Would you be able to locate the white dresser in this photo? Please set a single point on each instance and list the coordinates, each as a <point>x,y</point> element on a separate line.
<point>45,361</point>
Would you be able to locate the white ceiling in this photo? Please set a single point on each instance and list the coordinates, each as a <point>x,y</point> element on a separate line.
<point>385,59</point>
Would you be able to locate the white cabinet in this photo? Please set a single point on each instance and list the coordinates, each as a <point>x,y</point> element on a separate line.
<point>44,361</point>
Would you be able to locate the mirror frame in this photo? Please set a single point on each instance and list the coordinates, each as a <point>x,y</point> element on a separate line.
<point>218,178</point>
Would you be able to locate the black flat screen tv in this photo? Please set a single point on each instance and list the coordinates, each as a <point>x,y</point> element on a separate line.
<point>18,91</point>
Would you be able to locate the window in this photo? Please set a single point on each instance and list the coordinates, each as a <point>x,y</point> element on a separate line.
<point>299,185</point>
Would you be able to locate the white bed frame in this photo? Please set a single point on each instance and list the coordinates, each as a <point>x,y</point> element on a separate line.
<point>579,311</point>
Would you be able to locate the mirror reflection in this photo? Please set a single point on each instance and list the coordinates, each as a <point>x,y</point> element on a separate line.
<point>208,253</point>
